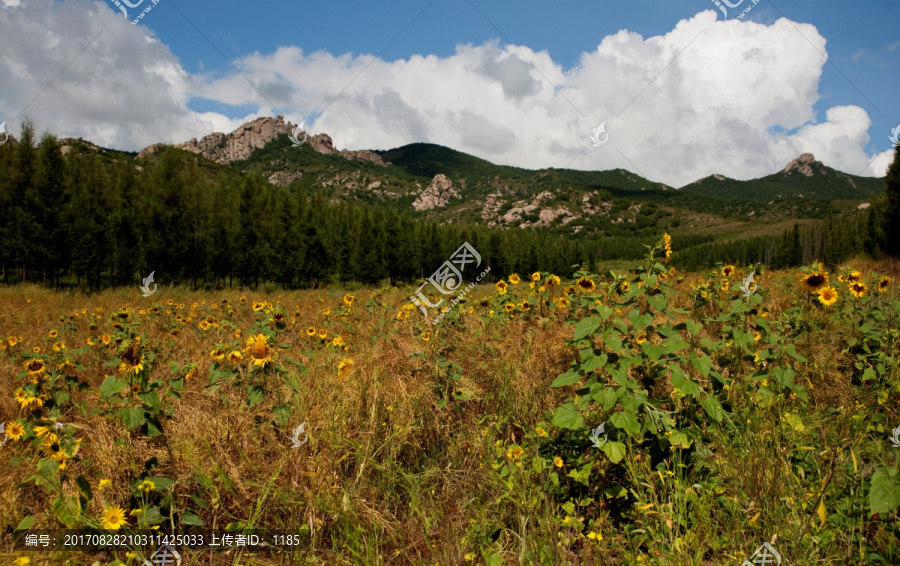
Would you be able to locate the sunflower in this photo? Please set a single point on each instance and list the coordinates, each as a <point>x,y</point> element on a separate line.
<point>858,289</point>
<point>15,430</point>
<point>702,294</point>
<point>622,287</point>
<point>310,331</point>
<point>827,296</point>
<point>728,271</point>
<point>558,462</point>
<point>586,285</point>
<point>67,368</point>
<point>501,287</point>
<point>562,303</point>
<point>113,518</point>
<point>854,277</point>
<point>243,300</point>
<point>667,243</point>
<point>345,367</point>
<point>540,432</point>
<point>278,318</point>
<point>217,355</point>
<point>337,341</point>
<point>884,283</point>
<point>147,486</point>
<point>12,341</point>
<point>105,338</point>
<point>258,306</point>
<point>515,279</point>
<point>640,338</point>
<point>551,281</point>
<point>725,284</point>
<point>515,453</point>
<point>570,290</point>
<point>259,350</point>
<point>402,314</point>
<point>814,281</point>
<point>323,334</point>
<point>204,325</point>
<point>525,306</point>
<point>509,307</point>
<point>131,365</point>
<point>348,300</point>
<point>235,357</point>
<point>53,334</point>
<point>484,303</point>
<point>426,336</point>
<point>191,372</point>
<point>536,276</point>
<point>35,367</point>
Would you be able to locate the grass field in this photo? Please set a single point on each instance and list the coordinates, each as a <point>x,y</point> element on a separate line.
<point>729,421</point>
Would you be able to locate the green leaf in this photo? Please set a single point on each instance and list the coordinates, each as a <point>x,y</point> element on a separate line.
<point>26,523</point>
<point>111,363</point>
<point>594,362</point>
<point>658,302</point>
<point>282,413</point>
<point>66,511</point>
<point>606,397</point>
<point>713,408</point>
<point>133,417</point>
<point>685,385</point>
<point>151,398</point>
<point>702,363</point>
<point>640,321</point>
<point>615,451</point>
<point>255,396</point>
<point>84,487</point>
<point>566,416</point>
<point>587,327</point>
<point>191,518</point>
<point>569,378</point>
<point>884,495</point>
<point>111,386</point>
<point>792,352</point>
<point>627,422</point>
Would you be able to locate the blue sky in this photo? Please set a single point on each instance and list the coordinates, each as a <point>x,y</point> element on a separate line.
<point>500,60</point>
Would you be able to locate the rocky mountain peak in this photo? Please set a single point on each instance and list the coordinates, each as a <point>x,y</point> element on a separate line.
<point>802,164</point>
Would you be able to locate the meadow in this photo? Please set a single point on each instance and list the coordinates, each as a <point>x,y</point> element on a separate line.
<point>731,417</point>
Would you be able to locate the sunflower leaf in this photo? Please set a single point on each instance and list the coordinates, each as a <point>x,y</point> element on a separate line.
<point>111,386</point>
<point>587,327</point>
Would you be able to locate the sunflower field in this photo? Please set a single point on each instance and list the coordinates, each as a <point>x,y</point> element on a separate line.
<point>648,416</point>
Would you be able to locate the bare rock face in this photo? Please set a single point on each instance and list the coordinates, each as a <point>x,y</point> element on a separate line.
<point>322,143</point>
<point>283,178</point>
<point>801,164</point>
<point>363,155</point>
<point>436,194</point>
<point>224,148</point>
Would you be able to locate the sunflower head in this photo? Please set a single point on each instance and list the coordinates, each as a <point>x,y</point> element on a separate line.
<point>552,281</point>
<point>310,331</point>
<point>113,518</point>
<point>536,276</point>
<point>858,289</point>
<point>35,366</point>
<point>586,285</point>
<point>728,271</point>
<point>827,296</point>
<point>515,279</point>
<point>259,351</point>
<point>884,283</point>
<point>345,367</point>
<point>622,287</point>
<point>813,281</point>
<point>501,286</point>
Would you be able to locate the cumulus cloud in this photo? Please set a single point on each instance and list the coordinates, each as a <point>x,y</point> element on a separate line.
<point>707,97</point>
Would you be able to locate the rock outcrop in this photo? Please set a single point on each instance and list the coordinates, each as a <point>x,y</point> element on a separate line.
<point>239,144</point>
<point>802,165</point>
<point>283,178</point>
<point>435,195</point>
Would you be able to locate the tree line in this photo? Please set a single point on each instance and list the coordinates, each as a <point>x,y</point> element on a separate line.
<point>91,219</point>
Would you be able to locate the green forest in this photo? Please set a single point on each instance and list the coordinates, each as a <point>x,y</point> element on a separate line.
<point>91,220</point>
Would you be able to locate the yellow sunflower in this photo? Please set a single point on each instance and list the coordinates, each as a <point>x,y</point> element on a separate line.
<point>586,285</point>
<point>15,430</point>
<point>501,287</point>
<point>35,367</point>
<point>337,341</point>
<point>426,336</point>
<point>345,367</point>
<point>551,281</point>
<point>562,302</point>
<point>858,289</point>
<point>311,332</point>
<point>536,276</point>
<point>509,307</point>
<point>258,306</point>
<point>323,334</point>
<point>622,287</point>
<point>113,518</point>
<point>217,355</point>
<point>235,357</point>
<point>728,271</point>
<point>259,350</point>
<point>348,300</point>
<point>884,283</point>
<point>814,281</point>
<point>515,279</point>
<point>827,295</point>
<point>53,334</point>
<point>147,486</point>
<point>854,277</point>
<point>191,372</point>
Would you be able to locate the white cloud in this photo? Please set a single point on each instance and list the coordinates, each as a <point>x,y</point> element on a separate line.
<point>730,103</point>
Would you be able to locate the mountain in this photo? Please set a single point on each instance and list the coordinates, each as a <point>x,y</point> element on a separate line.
<point>431,181</point>
<point>803,177</point>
